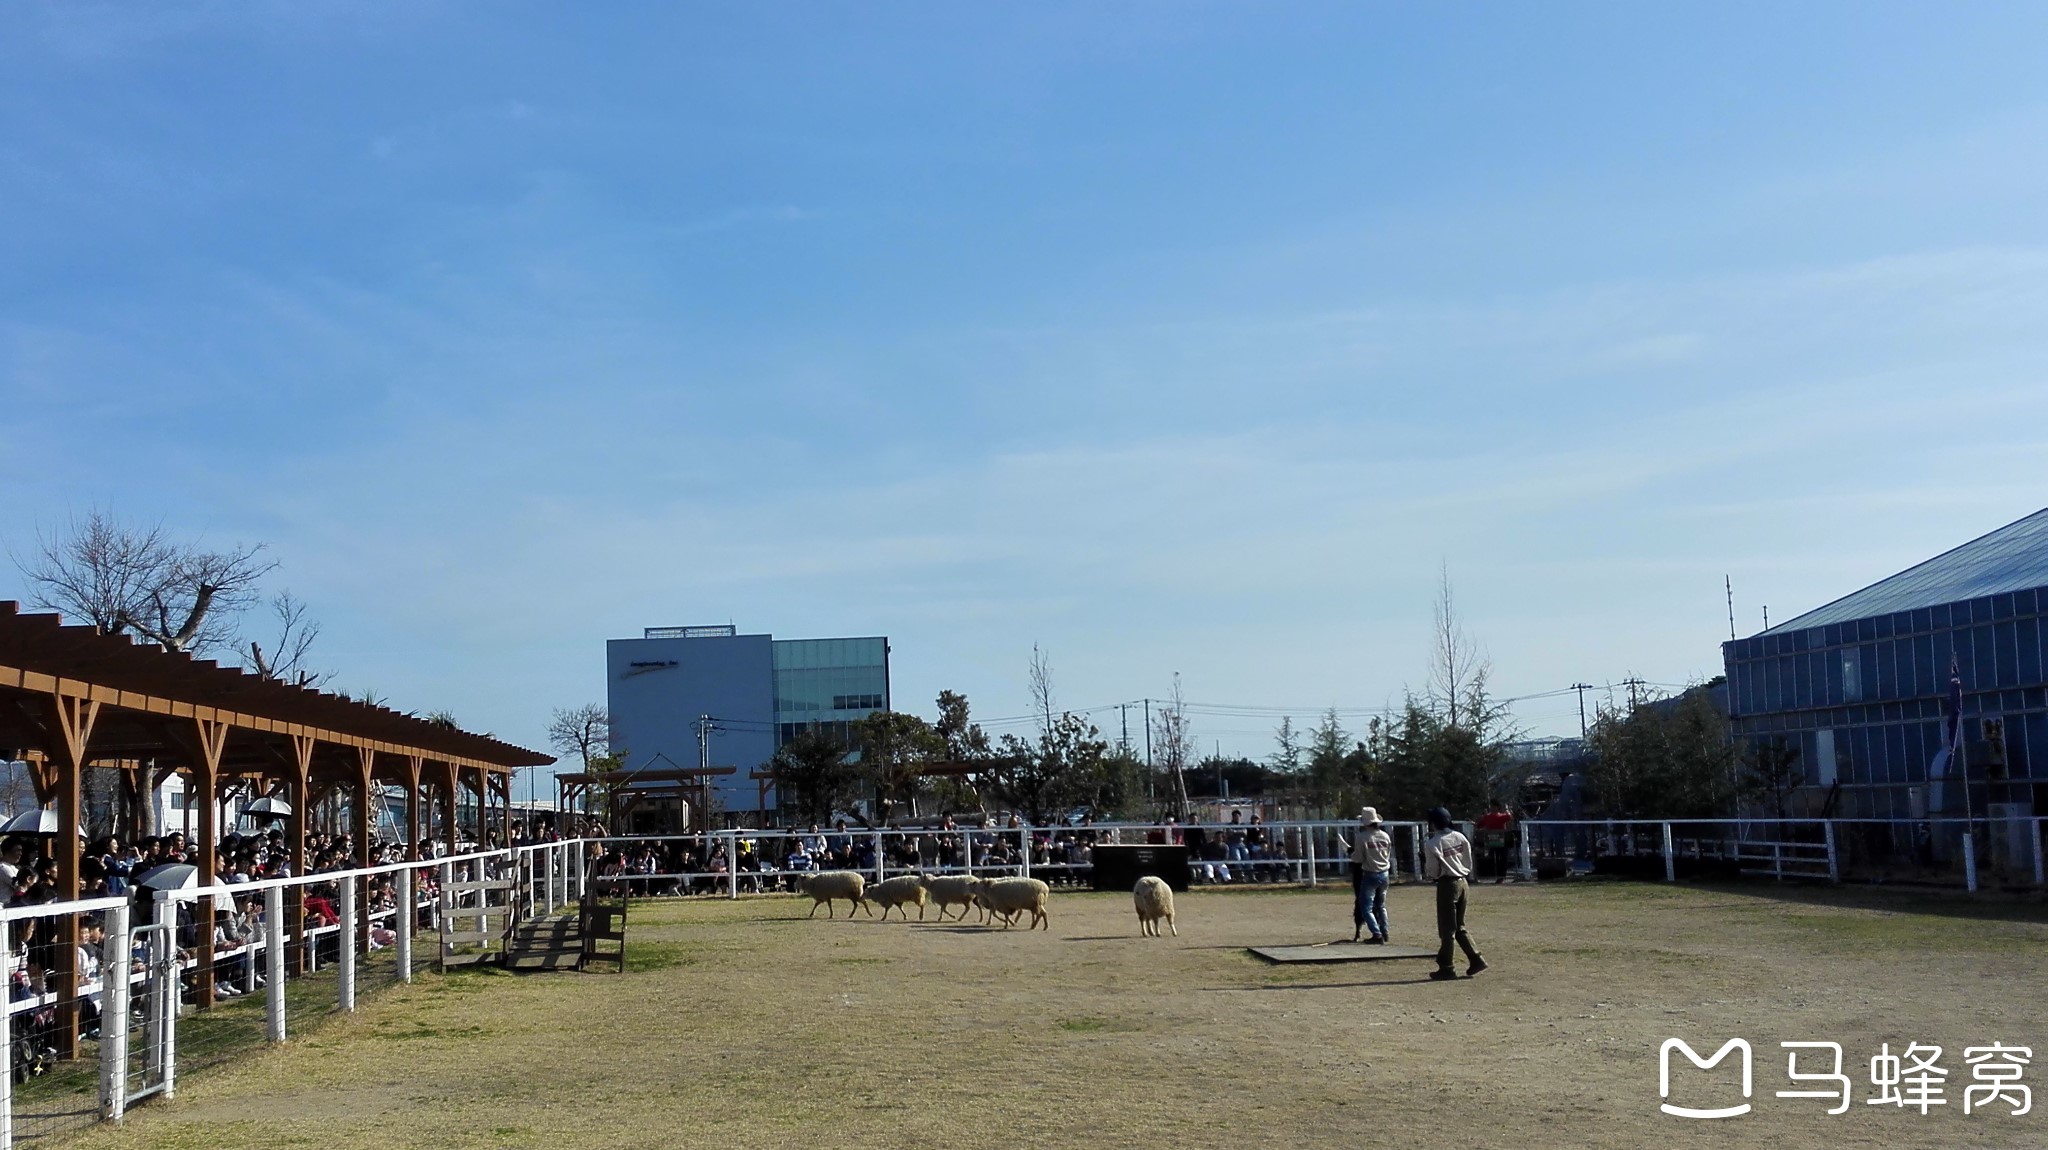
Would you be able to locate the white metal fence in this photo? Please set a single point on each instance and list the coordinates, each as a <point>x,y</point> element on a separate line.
<point>1971,853</point>
<point>733,862</point>
<point>729,863</point>
<point>188,978</point>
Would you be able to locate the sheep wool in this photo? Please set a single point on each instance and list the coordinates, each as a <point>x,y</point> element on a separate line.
<point>1011,897</point>
<point>836,884</point>
<point>1155,903</point>
<point>953,890</point>
<point>904,888</point>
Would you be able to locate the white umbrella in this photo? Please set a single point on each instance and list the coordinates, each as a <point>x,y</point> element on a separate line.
<point>169,876</point>
<point>37,822</point>
<point>270,808</point>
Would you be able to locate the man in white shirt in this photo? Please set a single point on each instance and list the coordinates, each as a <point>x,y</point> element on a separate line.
<point>1372,860</point>
<point>1447,858</point>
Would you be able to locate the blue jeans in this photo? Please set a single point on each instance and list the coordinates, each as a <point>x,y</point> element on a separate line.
<point>1371,909</point>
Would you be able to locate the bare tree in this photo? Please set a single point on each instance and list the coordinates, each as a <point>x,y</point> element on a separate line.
<point>1174,744</point>
<point>1457,665</point>
<point>286,659</point>
<point>124,578</point>
<point>584,731</point>
<point>1041,688</point>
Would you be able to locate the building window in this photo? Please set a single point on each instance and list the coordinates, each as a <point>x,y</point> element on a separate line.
<point>856,702</point>
<point>1852,676</point>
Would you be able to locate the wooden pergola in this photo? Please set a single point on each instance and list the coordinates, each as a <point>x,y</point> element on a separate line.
<point>629,787</point>
<point>73,697</point>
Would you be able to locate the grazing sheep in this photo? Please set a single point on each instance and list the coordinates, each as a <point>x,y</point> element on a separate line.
<point>1155,902</point>
<point>897,891</point>
<point>1011,897</point>
<point>835,884</point>
<point>953,890</point>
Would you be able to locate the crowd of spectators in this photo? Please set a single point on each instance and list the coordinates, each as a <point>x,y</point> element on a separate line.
<point>110,867</point>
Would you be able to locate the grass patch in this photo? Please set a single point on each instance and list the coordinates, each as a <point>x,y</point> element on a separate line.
<point>1097,1026</point>
<point>646,956</point>
<point>410,1029</point>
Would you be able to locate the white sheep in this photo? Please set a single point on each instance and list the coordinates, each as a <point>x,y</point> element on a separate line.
<point>835,884</point>
<point>904,888</point>
<point>1011,897</point>
<point>1155,902</point>
<point>953,890</point>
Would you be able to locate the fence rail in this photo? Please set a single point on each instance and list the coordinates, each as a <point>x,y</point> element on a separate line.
<point>181,979</point>
<point>731,862</point>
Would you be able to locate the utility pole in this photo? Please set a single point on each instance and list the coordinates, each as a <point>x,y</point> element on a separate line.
<point>1582,688</point>
<point>1632,683</point>
<point>1731,605</point>
<point>1123,711</point>
<point>1148,750</point>
<point>704,727</point>
<point>1767,617</point>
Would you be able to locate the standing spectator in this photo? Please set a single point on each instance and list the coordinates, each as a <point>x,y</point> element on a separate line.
<point>1372,859</point>
<point>1447,858</point>
<point>1493,839</point>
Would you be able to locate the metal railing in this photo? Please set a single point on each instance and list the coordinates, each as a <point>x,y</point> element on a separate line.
<point>1298,853</point>
<point>190,978</point>
<point>1940,851</point>
<point>2010,851</point>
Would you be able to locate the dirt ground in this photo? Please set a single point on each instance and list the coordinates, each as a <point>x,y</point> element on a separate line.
<point>743,1025</point>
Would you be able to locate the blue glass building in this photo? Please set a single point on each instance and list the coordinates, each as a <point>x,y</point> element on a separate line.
<point>1858,685</point>
<point>758,691</point>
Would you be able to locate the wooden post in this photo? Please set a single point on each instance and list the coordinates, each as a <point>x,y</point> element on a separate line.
<point>366,823</point>
<point>212,737</point>
<point>74,717</point>
<point>412,807</point>
<point>295,833</point>
<point>449,828</point>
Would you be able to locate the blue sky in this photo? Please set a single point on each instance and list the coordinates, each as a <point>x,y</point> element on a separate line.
<point>1186,337</point>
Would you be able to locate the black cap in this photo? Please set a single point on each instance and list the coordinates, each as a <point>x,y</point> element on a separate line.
<point>1440,818</point>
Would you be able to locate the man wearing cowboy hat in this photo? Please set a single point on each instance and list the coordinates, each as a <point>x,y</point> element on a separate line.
<point>1372,859</point>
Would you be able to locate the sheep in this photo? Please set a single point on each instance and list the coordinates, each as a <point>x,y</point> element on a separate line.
<point>1155,901</point>
<point>1011,897</point>
<point>897,891</point>
<point>834,884</point>
<point>953,890</point>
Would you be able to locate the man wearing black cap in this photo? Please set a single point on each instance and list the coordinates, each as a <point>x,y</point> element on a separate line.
<point>1447,858</point>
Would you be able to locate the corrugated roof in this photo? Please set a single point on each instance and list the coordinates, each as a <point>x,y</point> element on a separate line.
<point>2012,558</point>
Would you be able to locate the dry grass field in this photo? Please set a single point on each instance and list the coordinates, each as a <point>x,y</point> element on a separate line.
<point>743,1025</point>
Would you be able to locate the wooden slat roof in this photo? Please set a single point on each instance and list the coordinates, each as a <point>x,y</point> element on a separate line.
<point>43,645</point>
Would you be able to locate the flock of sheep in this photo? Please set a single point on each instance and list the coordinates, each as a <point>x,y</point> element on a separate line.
<point>991,898</point>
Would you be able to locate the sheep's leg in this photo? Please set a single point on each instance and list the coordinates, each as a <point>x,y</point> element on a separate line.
<point>1173,928</point>
<point>814,910</point>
